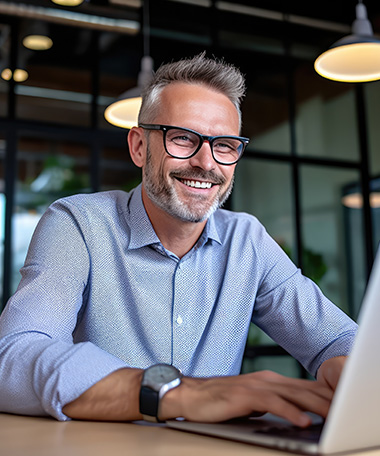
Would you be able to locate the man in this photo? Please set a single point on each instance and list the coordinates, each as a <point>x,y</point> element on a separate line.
<point>119,288</point>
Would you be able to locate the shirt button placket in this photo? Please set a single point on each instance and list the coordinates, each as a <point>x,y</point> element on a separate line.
<point>178,316</point>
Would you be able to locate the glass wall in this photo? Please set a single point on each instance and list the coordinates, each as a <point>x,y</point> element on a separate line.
<point>325,123</point>
<point>117,170</point>
<point>333,243</point>
<point>264,189</point>
<point>266,106</point>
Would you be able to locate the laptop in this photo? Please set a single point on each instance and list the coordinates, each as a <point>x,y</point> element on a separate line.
<point>353,422</point>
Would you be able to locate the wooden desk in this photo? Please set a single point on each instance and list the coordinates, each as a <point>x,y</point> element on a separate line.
<point>29,436</point>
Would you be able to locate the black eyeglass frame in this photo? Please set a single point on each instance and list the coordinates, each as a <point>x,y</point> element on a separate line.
<point>202,139</point>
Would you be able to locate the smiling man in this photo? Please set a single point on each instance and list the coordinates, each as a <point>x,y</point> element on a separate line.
<point>138,305</point>
<point>186,177</point>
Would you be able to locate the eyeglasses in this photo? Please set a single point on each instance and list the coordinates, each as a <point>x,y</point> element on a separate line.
<point>184,143</point>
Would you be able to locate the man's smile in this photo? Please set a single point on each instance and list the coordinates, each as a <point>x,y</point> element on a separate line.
<point>198,180</point>
<point>196,183</point>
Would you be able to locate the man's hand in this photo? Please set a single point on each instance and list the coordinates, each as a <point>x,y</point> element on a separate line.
<point>330,371</point>
<point>223,398</point>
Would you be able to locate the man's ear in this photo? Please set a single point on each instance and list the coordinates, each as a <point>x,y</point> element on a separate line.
<point>137,146</point>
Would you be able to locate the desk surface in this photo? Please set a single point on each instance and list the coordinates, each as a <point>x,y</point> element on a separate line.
<point>29,436</point>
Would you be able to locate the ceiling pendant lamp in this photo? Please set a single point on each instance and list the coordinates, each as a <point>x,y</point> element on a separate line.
<point>355,200</point>
<point>124,111</point>
<point>354,58</point>
<point>18,75</point>
<point>68,2</point>
<point>36,36</point>
<point>37,42</point>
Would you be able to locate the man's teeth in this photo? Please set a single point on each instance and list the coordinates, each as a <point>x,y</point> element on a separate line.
<point>197,184</point>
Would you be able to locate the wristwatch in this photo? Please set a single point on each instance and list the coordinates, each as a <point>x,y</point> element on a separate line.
<point>156,382</point>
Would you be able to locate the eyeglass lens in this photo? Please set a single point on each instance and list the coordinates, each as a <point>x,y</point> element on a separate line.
<point>182,144</point>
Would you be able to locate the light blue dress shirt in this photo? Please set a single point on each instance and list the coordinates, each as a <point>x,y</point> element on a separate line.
<point>99,292</point>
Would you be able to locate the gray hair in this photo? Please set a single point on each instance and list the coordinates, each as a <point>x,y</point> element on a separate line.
<point>215,74</point>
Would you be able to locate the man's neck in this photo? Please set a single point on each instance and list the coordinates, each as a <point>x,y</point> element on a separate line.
<point>177,236</point>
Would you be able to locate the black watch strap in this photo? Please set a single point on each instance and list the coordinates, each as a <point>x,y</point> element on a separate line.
<point>149,401</point>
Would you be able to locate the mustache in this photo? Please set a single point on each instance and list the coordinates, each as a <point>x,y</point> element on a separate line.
<point>209,176</point>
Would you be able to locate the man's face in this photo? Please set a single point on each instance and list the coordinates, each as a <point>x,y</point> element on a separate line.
<point>191,189</point>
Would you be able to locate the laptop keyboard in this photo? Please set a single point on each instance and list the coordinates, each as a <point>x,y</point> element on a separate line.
<point>309,434</point>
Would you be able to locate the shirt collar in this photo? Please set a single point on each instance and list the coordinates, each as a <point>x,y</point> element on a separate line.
<point>211,231</point>
<point>142,232</point>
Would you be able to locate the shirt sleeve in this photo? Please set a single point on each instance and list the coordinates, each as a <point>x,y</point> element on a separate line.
<point>41,369</point>
<point>295,313</point>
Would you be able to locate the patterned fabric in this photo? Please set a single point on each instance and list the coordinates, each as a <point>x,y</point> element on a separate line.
<point>99,292</point>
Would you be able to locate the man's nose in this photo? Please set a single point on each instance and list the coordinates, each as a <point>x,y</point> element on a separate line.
<point>203,158</point>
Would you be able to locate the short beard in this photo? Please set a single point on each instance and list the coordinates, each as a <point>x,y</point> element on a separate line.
<point>166,198</point>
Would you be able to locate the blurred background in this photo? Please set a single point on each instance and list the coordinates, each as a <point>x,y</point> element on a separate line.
<point>311,173</point>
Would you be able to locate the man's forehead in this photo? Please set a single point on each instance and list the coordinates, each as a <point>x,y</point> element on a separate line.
<point>180,100</point>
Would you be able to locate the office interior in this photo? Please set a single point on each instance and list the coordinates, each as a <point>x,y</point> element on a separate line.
<point>311,173</point>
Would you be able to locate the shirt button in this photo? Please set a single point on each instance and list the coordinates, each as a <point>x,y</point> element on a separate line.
<point>179,320</point>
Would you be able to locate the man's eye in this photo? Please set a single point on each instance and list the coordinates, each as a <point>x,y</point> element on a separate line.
<point>224,147</point>
<point>183,140</point>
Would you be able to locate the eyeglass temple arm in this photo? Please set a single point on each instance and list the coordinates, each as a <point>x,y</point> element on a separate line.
<point>150,126</point>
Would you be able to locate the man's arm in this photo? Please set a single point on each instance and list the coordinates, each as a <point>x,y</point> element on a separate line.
<point>116,398</point>
<point>40,366</point>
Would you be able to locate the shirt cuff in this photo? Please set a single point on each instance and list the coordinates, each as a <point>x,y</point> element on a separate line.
<point>61,377</point>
